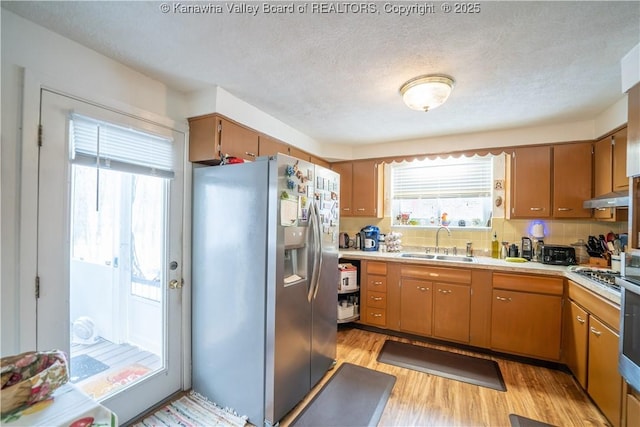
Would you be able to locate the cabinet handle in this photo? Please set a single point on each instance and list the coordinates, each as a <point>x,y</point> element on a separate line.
<point>346,209</point>
<point>602,209</point>
<point>376,298</point>
<point>580,319</point>
<point>378,283</point>
<point>360,209</point>
<point>565,209</point>
<point>376,315</point>
<point>536,209</point>
<point>422,288</point>
<point>595,332</point>
<point>503,299</point>
<point>444,291</point>
<point>434,274</point>
<point>249,154</point>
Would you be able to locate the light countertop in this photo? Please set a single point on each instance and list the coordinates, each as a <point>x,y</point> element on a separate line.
<point>488,263</point>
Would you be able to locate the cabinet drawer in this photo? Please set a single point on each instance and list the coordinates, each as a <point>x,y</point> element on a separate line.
<point>535,284</point>
<point>377,299</point>
<point>606,311</point>
<point>377,268</point>
<point>438,274</point>
<point>376,283</point>
<point>376,316</point>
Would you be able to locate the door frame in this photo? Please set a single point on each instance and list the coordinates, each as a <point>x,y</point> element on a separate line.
<point>32,84</point>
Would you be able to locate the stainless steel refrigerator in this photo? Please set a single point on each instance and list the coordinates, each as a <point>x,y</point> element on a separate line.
<point>265,280</point>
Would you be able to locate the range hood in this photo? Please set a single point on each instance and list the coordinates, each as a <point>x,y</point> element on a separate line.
<point>615,199</point>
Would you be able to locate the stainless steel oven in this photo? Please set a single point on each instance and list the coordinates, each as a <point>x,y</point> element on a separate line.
<point>629,354</point>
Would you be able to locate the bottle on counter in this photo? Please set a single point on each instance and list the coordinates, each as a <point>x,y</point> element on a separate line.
<point>505,251</point>
<point>495,247</point>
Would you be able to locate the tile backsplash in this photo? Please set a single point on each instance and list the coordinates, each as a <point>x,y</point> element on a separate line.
<point>560,232</point>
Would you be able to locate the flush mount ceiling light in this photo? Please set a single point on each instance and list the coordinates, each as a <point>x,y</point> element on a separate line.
<point>427,92</point>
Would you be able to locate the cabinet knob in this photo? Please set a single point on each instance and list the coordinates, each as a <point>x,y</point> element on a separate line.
<point>376,315</point>
<point>377,283</point>
<point>503,299</point>
<point>580,319</point>
<point>595,332</point>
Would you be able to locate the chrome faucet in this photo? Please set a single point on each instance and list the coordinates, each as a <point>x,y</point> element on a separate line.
<point>438,235</point>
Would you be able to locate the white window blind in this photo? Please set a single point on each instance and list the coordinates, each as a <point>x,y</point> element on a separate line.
<point>109,146</point>
<point>443,178</point>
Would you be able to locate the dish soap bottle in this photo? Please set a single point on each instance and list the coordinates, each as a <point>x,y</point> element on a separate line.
<point>495,248</point>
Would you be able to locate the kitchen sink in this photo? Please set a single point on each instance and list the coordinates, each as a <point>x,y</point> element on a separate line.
<point>438,257</point>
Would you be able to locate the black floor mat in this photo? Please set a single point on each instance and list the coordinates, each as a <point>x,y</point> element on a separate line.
<point>518,421</point>
<point>84,366</point>
<point>353,396</point>
<point>460,367</point>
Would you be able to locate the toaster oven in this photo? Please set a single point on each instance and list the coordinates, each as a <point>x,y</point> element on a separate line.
<point>558,255</point>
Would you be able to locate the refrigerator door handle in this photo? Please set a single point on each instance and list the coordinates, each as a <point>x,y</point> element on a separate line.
<point>318,249</point>
<point>314,227</point>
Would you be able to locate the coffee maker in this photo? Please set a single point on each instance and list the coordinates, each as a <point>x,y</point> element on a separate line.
<point>369,238</point>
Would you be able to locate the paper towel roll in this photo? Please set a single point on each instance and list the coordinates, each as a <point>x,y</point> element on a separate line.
<point>537,231</point>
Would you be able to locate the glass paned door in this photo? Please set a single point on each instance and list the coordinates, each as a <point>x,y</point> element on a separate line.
<point>109,244</point>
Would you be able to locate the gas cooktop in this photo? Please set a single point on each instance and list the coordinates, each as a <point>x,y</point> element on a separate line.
<point>600,276</point>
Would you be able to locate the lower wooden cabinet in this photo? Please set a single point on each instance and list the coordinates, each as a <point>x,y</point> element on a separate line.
<point>416,300</point>
<point>604,383</point>
<point>431,301</point>
<point>374,294</point>
<point>451,311</point>
<point>526,315</point>
<point>633,411</point>
<point>590,346</point>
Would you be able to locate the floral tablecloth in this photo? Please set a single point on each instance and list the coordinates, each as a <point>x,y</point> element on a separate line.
<point>68,406</point>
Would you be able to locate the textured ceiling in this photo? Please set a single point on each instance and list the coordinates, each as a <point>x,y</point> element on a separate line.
<point>335,76</point>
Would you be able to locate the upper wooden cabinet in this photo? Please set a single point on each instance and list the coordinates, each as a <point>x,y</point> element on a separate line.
<point>213,136</point>
<point>610,167</point>
<point>563,171</point>
<point>269,146</point>
<point>345,169</point>
<point>610,172</point>
<point>531,182</point>
<point>361,187</point>
<point>572,179</point>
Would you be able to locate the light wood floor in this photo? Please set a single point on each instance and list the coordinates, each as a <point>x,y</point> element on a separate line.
<point>419,399</point>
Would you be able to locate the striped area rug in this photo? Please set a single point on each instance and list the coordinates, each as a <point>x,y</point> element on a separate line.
<point>193,410</point>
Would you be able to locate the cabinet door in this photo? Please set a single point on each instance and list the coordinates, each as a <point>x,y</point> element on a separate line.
<point>451,310</point>
<point>269,146</point>
<point>299,154</point>
<point>604,381</point>
<point>526,324</point>
<point>237,141</point>
<point>365,188</point>
<point>575,341</point>
<point>203,133</point>
<point>620,180</point>
<point>345,169</point>
<point>531,178</point>
<point>416,299</point>
<point>633,411</point>
<point>571,180</point>
<point>602,167</point>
